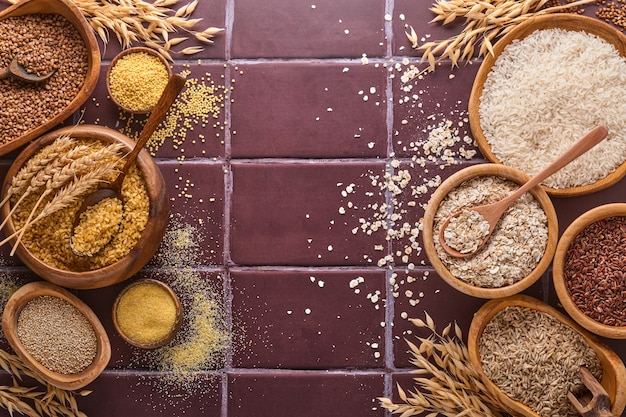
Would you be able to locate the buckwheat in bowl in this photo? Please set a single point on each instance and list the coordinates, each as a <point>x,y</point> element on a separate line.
<point>522,244</point>
<point>551,80</point>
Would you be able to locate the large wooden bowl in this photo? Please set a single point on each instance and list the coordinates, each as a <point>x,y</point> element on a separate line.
<point>65,381</point>
<point>71,12</point>
<point>429,234</point>
<point>149,241</point>
<point>558,274</point>
<point>566,21</point>
<point>613,371</point>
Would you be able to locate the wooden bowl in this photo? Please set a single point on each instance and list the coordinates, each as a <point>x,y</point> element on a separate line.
<point>558,274</point>
<point>65,381</point>
<point>149,241</point>
<point>429,234</point>
<point>613,371</point>
<point>566,21</point>
<point>175,327</point>
<point>124,53</point>
<point>71,12</point>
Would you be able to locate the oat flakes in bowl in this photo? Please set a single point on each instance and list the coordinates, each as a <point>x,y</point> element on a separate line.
<point>521,247</point>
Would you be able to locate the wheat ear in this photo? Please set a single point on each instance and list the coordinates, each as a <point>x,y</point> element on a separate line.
<point>37,163</point>
<point>75,163</point>
<point>40,178</point>
<point>67,196</point>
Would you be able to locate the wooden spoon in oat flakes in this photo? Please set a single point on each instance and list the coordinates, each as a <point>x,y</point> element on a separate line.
<point>99,218</point>
<point>468,230</point>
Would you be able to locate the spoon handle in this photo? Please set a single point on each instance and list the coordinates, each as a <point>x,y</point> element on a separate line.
<point>174,85</point>
<point>591,139</point>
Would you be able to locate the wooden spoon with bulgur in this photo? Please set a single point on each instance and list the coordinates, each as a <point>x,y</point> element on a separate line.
<point>99,217</point>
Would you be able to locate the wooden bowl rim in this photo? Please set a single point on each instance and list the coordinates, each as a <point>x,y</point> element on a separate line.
<point>558,273</point>
<point>9,325</point>
<point>128,51</point>
<point>570,22</point>
<point>429,234</point>
<point>173,331</point>
<point>70,11</point>
<point>149,241</point>
<point>612,381</point>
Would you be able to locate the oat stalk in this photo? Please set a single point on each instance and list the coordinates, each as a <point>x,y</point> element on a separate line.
<point>149,23</point>
<point>484,22</point>
<point>447,383</point>
<point>52,401</point>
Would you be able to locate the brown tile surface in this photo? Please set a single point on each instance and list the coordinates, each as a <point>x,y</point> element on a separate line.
<point>310,393</point>
<point>295,212</point>
<point>309,110</point>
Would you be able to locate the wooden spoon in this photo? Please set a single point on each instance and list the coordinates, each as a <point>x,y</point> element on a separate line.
<point>600,403</point>
<point>114,189</point>
<point>491,213</point>
<point>17,71</point>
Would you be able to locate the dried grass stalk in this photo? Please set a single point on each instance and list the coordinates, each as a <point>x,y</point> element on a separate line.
<point>447,384</point>
<point>138,21</point>
<point>32,401</point>
<point>484,22</point>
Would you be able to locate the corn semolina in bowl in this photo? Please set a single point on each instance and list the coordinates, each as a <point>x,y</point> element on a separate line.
<point>75,161</point>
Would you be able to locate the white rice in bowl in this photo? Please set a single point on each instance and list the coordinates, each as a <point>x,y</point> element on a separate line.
<point>548,90</point>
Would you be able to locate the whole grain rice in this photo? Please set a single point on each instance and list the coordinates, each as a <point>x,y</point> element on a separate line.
<point>535,359</point>
<point>545,92</point>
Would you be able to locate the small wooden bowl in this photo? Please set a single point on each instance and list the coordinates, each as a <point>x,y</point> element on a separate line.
<point>124,53</point>
<point>429,234</point>
<point>71,12</point>
<point>149,241</point>
<point>613,371</point>
<point>558,273</point>
<point>566,21</point>
<point>175,327</point>
<point>9,325</point>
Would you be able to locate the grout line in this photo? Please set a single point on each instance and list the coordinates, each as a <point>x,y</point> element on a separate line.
<point>228,191</point>
<point>390,300</point>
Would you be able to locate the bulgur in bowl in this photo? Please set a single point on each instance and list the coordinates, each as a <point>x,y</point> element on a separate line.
<point>523,242</point>
<point>77,159</point>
